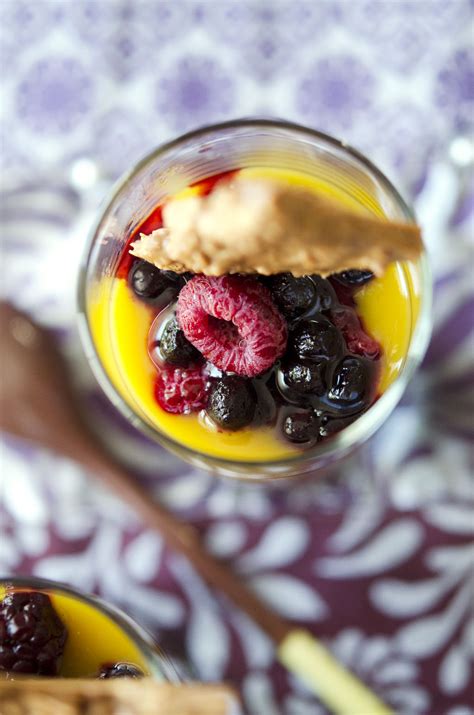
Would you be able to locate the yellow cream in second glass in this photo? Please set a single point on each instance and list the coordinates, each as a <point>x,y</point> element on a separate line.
<point>120,323</point>
<point>93,638</point>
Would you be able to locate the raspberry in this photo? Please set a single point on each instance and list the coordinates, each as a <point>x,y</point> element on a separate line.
<point>233,322</point>
<point>32,637</point>
<point>344,293</point>
<point>119,670</point>
<point>181,391</point>
<point>357,341</point>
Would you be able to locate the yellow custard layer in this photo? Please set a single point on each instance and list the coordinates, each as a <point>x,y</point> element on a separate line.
<point>93,637</point>
<point>120,325</point>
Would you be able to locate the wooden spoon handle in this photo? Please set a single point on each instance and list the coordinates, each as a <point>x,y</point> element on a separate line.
<point>185,539</point>
<point>296,649</point>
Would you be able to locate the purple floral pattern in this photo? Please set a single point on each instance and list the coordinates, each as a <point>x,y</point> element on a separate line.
<point>127,129</point>
<point>192,90</point>
<point>263,37</point>
<point>335,93</point>
<point>261,58</point>
<point>54,95</point>
<point>20,24</point>
<point>455,86</point>
<point>108,82</point>
<point>403,127</point>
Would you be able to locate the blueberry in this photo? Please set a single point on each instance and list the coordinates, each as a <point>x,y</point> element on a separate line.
<point>232,402</point>
<point>301,427</point>
<point>330,426</point>
<point>176,348</point>
<point>266,407</point>
<point>292,296</point>
<point>119,670</point>
<point>325,295</point>
<point>316,340</point>
<point>350,382</point>
<point>149,283</point>
<point>354,279</point>
<point>304,379</point>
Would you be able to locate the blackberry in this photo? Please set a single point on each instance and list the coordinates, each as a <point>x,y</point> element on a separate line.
<point>354,279</point>
<point>292,296</point>
<point>301,427</point>
<point>232,402</point>
<point>316,340</point>
<point>32,636</point>
<point>150,284</point>
<point>176,348</point>
<point>304,379</point>
<point>350,383</point>
<point>119,670</point>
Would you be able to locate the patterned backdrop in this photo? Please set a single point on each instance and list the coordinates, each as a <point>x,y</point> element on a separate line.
<point>378,564</point>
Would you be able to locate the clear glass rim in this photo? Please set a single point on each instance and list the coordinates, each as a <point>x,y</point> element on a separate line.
<point>362,428</point>
<point>157,661</point>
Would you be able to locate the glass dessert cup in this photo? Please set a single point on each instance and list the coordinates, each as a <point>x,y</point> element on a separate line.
<point>98,634</point>
<point>281,149</point>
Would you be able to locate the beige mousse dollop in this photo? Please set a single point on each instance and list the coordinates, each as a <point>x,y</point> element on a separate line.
<point>269,227</point>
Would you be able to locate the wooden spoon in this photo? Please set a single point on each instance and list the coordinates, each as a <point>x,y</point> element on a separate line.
<point>38,404</point>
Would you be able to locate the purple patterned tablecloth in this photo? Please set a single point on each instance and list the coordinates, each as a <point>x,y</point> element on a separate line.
<point>379,563</point>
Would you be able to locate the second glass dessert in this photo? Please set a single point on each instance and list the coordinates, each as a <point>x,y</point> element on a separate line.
<point>52,630</point>
<point>250,375</point>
